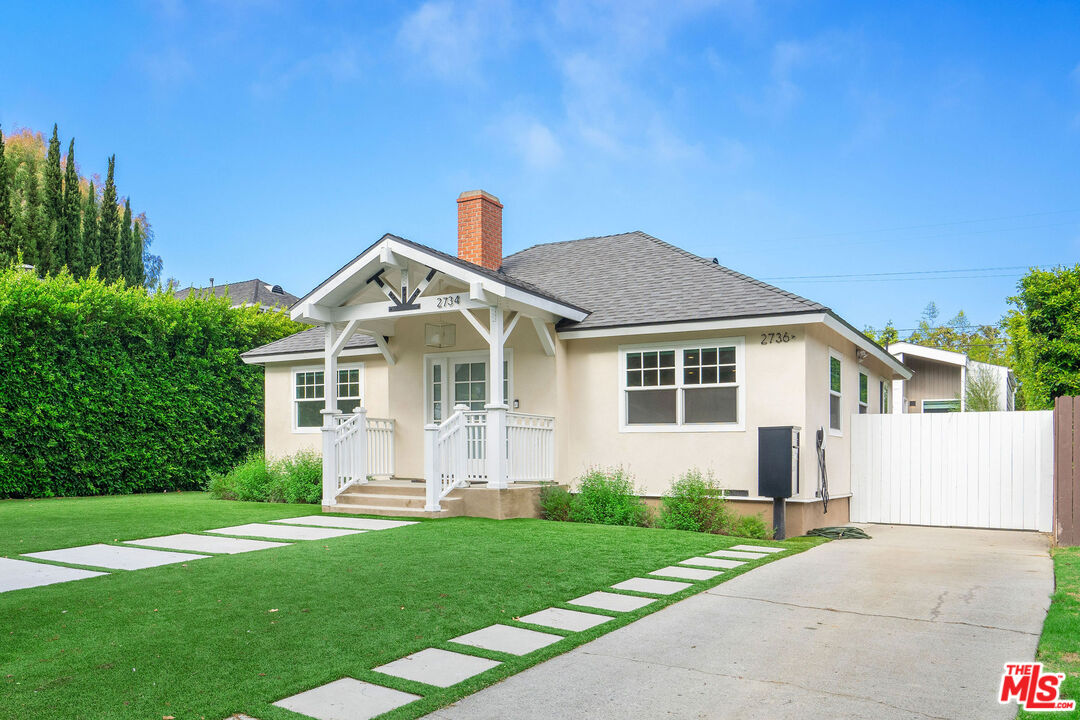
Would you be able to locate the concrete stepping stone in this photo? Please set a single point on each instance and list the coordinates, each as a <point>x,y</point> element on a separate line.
<point>611,601</point>
<point>284,532</point>
<point>737,555</point>
<point>440,668</point>
<point>21,574</point>
<point>206,543</point>
<point>649,585</point>
<point>343,522</point>
<point>565,619</point>
<point>758,548</point>
<point>712,562</point>
<point>115,557</point>
<point>685,573</point>
<point>508,639</point>
<point>346,699</point>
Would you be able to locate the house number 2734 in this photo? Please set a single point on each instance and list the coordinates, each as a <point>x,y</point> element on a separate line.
<point>447,301</point>
<point>776,337</point>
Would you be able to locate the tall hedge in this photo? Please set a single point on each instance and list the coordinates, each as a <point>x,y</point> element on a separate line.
<point>108,389</point>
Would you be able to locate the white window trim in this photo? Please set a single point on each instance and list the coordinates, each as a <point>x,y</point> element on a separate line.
<point>739,343</point>
<point>471,356</point>
<point>863,373</point>
<point>316,368</point>
<point>835,432</point>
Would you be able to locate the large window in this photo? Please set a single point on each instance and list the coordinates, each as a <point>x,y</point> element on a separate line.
<point>309,393</point>
<point>864,393</point>
<point>836,398</point>
<point>682,386</point>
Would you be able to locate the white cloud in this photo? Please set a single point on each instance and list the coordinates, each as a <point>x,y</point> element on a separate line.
<point>452,39</point>
<point>339,65</point>
<point>788,58</point>
<point>534,142</point>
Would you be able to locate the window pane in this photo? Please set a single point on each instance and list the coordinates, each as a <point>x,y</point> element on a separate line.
<point>692,375</point>
<point>834,374</point>
<point>349,406</point>
<point>667,359</point>
<point>461,392</point>
<point>461,372</point>
<point>667,376</point>
<point>863,388</point>
<point>649,359</point>
<point>650,378</point>
<point>436,372</point>
<point>650,406</point>
<point>477,393</point>
<point>862,409</point>
<point>726,375</point>
<point>834,412</point>
<point>726,356</point>
<point>478,371</point>
<point>633,361</point>
<point>318,391</point>
<point>308,413</point>
<point>708,375</point>
<point>708,356</point>
<point>633,378</point>
<point>711,405</point>
<point>437,412</point>
<point>690,357</point>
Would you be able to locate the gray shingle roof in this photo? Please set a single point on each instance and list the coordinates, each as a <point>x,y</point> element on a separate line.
<point>627,279</point>
<point>636,279</point>
<point>306,341</point>
<point>247,292</point>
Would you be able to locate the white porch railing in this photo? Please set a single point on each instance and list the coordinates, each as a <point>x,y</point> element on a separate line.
<point>456,451</point>
<point>530,442</point>
<point>363,448</point>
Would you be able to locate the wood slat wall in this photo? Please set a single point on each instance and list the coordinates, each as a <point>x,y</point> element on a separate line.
<point>1067,471</point>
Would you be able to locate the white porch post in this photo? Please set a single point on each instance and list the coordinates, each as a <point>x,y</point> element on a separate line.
<point>329,413</point>
<point>431,469</point>
<point>497,407</point>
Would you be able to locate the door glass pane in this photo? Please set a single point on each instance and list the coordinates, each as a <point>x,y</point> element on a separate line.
<point>650,406</point>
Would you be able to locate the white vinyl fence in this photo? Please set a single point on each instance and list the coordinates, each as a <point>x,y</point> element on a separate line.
<point>989,470</point>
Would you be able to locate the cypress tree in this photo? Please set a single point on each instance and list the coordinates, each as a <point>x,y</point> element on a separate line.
<point>71,232</point>
<point>127,266</point>
<point>7,243</point>
<point>138,248</point>
<point>54,200</point>
<point>108,226</point>
<point>38,235</point>
<point>91,251</point>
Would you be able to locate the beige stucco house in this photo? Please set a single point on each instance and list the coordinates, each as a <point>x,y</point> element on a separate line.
<point>615,350</point>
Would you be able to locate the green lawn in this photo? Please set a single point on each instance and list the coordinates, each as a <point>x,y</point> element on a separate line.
<point>199,640</point>
<point>1059,646</point>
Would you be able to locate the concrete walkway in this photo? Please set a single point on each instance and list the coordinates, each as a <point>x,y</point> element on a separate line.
<point>916,623</point>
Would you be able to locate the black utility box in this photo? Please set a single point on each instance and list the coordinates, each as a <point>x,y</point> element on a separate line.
<point>778,461</point>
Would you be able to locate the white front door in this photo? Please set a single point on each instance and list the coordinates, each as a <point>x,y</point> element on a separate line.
<point>460,379</point>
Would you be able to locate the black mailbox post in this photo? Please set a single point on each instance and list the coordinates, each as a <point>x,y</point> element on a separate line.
<point>778,469</point>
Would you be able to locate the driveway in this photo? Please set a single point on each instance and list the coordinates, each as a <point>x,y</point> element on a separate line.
<point>915,623</point>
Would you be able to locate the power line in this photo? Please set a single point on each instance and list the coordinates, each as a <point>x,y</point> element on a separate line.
<point>902,272</point>
<point>906,279</point>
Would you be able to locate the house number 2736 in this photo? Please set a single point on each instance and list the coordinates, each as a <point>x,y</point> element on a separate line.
<point>776,337</point>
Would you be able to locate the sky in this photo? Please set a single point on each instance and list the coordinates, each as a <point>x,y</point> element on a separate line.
<point>813,145</point>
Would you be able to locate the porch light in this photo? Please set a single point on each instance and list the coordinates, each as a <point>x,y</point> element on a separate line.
<point>440,336</point>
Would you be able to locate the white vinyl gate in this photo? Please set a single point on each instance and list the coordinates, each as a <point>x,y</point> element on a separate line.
<point>988,470</point>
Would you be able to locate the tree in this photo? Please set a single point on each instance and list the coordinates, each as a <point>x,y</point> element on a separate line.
<point>54,200</point>
<point>1044,335</point>
<point>71,226</point>
<point>91,249</point>
<point>7,240</point>
<point>885,337</point>
<point>108,227</point>
<point>131,259</point>
<point>982,390</point>
<point>31,227</point>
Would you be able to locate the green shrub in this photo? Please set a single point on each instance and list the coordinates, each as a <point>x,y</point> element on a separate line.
<point>695,502</point>
<point>555,503</point>
<point>752,526</point>
<point>292,479</point>
<point>608,497</point>
<point>108,389</point>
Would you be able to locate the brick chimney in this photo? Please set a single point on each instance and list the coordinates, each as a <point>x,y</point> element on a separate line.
<point>480,229</point>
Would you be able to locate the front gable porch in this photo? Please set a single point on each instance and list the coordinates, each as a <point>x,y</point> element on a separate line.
<point>407,299</point>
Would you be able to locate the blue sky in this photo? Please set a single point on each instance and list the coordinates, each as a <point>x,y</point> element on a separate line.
<point>277,139</point>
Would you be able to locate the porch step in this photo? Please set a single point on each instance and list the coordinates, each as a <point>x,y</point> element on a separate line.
<point>383,499</point>
<point>395,499</point>
<point>400,487</point>
<point>450,508</point>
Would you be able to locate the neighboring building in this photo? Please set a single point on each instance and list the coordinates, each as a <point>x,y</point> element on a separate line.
<point>615,350</point>
<point>248,292</point>
<point>940,380</point>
